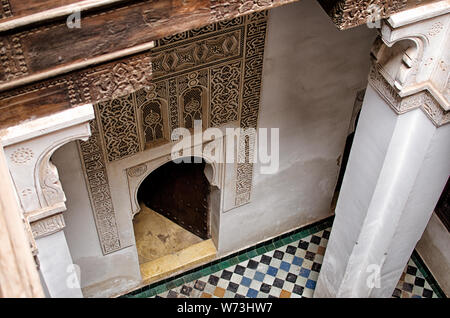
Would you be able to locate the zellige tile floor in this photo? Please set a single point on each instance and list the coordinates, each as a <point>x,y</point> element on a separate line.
<point>286,267</point>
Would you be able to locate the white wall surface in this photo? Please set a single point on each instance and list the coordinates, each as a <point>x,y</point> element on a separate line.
<point>56,267</point>
<point>100,275</point>
<point>312,72</point>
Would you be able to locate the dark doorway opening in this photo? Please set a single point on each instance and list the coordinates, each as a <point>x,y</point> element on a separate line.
<point>443,206</point>
<point>180,192</point>
<point>344,161</point>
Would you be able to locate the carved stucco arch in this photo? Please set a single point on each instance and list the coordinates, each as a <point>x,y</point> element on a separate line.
<point>47,184</point>
<point>151,166</point>
<point>28,148</point>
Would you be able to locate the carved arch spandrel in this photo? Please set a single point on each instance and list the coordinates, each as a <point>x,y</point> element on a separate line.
<point>29,149</point>
<point>46,173</point>
<point>138,173</point>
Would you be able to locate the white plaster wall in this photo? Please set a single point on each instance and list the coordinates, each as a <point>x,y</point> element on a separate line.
<point>100,275</point>
<point>433,248</point>
<point>55,267</point>
<point>312,73</point>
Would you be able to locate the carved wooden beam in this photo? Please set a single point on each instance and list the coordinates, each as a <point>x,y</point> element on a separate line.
<point>48,67</point>
<point>347,14</point>
<point>17,13</point>
<point>47,48</point>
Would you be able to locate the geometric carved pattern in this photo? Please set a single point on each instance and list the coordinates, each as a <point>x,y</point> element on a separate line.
<point>253,72</point>
<point>229,64</point>
<point>5,9</point>
<point>174,121</point>
<point>186,56</point>
<point>150,106</point>
<point>152,121</point>
<point>92,155</point>
<point>120,79</point>
<point>179,37</point>
<point>22,155</point>
<point>137,171</point>
<point>244,179</point>
<point>225,9</point>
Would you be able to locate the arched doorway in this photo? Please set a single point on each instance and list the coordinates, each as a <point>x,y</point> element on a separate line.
<point>179,192</point>
<point>174,217</point>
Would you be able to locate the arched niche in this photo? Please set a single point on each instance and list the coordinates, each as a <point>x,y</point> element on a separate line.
<point>193,103</point>
<point>153,117</point>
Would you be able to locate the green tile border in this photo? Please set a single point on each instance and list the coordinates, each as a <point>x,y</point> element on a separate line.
<point>228,261</point>
<point>427,274</point>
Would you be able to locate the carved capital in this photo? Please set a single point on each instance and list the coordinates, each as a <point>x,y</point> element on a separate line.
<point>351,13</point>
<point>411,61</point>
<point>47,226</point>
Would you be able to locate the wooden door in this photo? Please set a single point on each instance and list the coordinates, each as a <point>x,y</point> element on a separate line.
<point>180,192</point>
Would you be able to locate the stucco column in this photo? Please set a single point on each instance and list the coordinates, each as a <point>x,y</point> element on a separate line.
<point>399,162</point>
<point>58,272</point>
<point>28,150</point>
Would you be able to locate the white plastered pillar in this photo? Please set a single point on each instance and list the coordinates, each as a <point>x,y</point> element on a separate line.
<point>28,150</point>
<point>400,158</point>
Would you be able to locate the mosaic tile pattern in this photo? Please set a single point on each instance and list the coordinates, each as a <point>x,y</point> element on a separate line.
<point>290,271</point>
<point>285,267</point>
<point>412,284</point>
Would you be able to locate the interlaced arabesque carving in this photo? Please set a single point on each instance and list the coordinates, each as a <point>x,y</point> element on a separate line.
<point>92,154</point>
<point>225,93</point>
<point>212,73</point>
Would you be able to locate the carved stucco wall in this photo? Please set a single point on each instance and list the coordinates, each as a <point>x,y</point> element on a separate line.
<point>212,73</point>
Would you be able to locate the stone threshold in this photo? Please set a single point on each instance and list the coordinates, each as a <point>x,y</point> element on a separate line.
<point>177,262</point>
